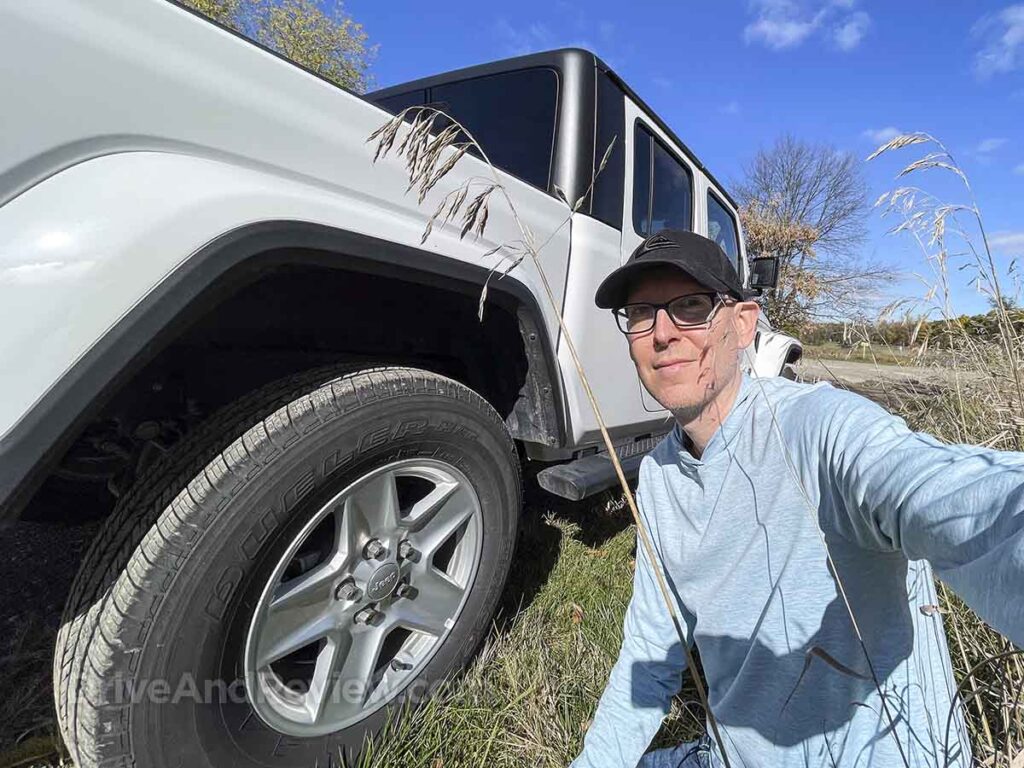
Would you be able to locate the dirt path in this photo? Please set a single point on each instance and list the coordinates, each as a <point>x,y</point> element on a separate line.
<point>856,372</point>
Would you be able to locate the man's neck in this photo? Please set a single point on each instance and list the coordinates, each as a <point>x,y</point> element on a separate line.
<point>701,429</point>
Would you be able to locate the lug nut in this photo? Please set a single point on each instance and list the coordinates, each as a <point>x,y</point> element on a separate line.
<point>407,552</point>
<point>407,591</point>
<point>368,616</point>
<point>347,590</point>
<point>400,666</point>
<point>374,549</point>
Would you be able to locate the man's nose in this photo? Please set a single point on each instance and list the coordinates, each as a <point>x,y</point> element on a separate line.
<point>665,331</point>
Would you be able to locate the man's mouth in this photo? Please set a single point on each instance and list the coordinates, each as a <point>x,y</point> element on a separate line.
<point>672,364</point>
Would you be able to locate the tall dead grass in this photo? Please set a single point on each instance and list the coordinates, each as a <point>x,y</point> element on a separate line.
<point>980,401</point>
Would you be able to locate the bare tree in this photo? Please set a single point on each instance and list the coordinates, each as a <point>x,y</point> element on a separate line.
<point>807,204</point>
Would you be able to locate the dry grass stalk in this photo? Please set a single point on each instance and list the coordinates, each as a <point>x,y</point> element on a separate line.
<point>428,159</point>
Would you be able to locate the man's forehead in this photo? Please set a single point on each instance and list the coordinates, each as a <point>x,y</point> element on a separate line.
<point>660,283</point>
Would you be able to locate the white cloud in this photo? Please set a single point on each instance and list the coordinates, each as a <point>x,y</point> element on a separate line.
<point>1008,243</point>
<point>1019,170</point>
<point>1002,37</point>
<point>850,32</point>
<point>985,146</point>
<point>566,25</point>
<point>778,34</point>
<point>882,135</point>
<point>984,150</point>
<point>528,39</point>
<point>782,24</point>
<point>732,108</point>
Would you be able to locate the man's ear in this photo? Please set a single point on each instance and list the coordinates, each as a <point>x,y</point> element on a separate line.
<point>744,318</point>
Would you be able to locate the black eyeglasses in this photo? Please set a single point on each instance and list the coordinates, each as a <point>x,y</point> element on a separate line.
<point>689,311</point>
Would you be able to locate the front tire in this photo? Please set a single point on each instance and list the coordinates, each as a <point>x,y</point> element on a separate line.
<point>176,646</point>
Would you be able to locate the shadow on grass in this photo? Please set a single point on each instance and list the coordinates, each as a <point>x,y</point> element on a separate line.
<point>39,560</point>
<point>592,521</point>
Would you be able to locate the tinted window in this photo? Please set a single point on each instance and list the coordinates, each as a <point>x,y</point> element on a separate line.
<point>641,181</point>
<point>611,125</point>
<point>671,187</point>
<point>722,229</point>
<point>398,102</point>
<point>671,198</point>
<point>511,115</point>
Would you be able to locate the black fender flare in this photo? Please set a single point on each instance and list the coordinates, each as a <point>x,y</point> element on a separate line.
<point>37,441</point>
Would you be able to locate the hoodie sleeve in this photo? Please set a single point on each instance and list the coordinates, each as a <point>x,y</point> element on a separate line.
<point>647,674</point>
<point>960,507</point>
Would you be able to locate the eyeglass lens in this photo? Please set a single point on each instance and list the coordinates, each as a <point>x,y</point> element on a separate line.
<point>685,310</point>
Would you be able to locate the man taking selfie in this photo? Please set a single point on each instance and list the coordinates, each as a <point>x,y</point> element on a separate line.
<point>797,527</point>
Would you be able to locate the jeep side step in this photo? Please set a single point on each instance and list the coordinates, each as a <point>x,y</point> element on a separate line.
<point>592,474</point>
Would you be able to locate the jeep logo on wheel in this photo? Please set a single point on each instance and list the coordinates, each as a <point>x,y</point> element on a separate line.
<point>382,582</point>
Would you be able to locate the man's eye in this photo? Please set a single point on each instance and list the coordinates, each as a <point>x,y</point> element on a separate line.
<point>690,303</point>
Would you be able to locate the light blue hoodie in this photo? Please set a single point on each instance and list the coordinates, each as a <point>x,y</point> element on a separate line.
<point>740,532</point>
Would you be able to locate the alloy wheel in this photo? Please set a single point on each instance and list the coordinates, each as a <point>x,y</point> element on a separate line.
<point>363,597</point>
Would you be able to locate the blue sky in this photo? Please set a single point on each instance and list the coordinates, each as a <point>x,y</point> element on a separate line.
<point>730,77</point>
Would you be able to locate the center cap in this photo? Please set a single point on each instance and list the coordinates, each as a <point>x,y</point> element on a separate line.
<point>382,581</point>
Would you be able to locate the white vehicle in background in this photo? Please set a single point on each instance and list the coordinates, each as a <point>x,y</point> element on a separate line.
<point>222,336</point>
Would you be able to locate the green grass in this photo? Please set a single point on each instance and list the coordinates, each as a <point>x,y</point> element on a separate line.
<point>528,697</point>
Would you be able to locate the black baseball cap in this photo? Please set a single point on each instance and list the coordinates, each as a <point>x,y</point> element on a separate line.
<point>697,256</point>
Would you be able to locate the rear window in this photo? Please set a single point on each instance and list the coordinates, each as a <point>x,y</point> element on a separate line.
<point>511,115</point>
<point>642,182</point>
<point>662,187</point>
<point>611,126</point>
<point>722,229</point>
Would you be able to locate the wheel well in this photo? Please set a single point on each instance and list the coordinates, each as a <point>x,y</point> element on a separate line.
<point>295,314</point>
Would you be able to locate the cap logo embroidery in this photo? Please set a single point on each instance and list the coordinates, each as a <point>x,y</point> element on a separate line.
<point>657,242</point>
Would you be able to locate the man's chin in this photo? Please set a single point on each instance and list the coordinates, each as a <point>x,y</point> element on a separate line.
<point>674,400</point>
<point>684,401</point>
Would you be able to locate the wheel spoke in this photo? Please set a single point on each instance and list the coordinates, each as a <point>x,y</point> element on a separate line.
<point>286,630</point>
<point>352,528</point>
<point>309,589</point>
<point>375,504</point>
<point>325,673</point>
<point>424,510</point>
<point>435,605</point>
<point>353,666</point>
<point>447,517</point>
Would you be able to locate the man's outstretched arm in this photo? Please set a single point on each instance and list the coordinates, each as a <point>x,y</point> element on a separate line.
<point>959,507</point>
<point>643,681</point>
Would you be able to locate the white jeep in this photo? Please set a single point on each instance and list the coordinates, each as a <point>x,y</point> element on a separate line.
<point>223,337</point>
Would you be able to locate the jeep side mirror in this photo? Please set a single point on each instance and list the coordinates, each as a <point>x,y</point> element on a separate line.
<point>764,273</point>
